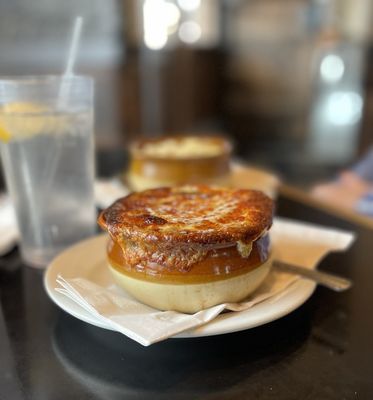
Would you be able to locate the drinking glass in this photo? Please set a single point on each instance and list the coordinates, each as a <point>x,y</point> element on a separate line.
<point>47,150</point>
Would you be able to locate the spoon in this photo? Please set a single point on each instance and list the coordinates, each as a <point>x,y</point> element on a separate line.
<point>326,279</point>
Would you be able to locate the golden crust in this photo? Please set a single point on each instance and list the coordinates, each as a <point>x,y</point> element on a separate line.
<point>188,215</point>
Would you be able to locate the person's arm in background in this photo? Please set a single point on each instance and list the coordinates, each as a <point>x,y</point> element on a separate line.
<point>364,168</point>
<point>353,189</point>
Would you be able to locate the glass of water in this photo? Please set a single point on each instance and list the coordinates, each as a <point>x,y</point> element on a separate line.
<point>47,151</point>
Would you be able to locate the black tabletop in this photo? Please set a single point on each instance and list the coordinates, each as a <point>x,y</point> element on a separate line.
<point>323,350</point>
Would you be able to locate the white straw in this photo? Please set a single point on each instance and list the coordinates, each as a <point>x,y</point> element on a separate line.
<point>69,69</point>
<point>63,98</point>
<point>71,58</point>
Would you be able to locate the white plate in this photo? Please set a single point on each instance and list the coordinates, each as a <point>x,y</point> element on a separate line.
<point>87,260</point>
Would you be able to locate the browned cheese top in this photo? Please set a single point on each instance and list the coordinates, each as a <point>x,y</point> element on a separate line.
<point>189,214</point>
<point>174,228</point>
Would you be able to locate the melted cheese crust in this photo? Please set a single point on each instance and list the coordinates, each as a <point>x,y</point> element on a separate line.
<point>183,147</point>
<point>217,264</point>
<point>189,215</point>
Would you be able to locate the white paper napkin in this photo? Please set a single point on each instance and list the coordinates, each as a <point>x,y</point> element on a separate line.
<point>8,225</point>
<point>108,190</point>
<point>293,242</point>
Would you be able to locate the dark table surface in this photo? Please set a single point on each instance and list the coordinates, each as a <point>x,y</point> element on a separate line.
<point>323,350</point>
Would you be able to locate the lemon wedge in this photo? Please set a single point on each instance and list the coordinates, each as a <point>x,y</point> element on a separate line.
<point>23,119</point>
<point>4,134</point>
<point>22,108</point>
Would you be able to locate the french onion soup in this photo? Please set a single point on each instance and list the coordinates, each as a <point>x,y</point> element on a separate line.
<point>179,160</point>
<point>189,247</point>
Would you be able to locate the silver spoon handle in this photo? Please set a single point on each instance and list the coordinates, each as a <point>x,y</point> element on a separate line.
<point>331,281</point>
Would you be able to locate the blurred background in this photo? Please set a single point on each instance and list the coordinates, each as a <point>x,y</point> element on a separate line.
<point>290,81</point>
